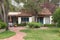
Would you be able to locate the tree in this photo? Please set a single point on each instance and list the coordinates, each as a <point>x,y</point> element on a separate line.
<point>6,13</point>
<point>2,12</point>
<point>32,6</point>
<point>56,17</point>
<point>5,9</point>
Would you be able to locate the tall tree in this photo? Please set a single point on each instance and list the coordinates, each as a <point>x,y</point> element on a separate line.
<point>2,12</point>
<point>56,2</point>
<point>32,6</point>
<point>6,12</point>
<point>56,17</point>
<point>4,9</point>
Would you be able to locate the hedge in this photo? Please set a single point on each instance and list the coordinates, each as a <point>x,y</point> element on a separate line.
<point>2,25</point>
<point>49,25</point>
<point>34,25</point>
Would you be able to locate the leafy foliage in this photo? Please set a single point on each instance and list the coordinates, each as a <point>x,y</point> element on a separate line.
<point>22,24</point>
<point>3,25</point>
<point>49,25</point>
<point>32,5</point>
<point>55,1</point>
<point>56,16</point>
<point>34,25</point>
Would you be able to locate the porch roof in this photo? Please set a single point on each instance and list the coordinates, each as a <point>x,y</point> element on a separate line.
<point>13,13</point>
<point>19,14</point>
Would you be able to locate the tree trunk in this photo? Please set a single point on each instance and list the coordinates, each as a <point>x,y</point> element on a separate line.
<point>36,15</point>
<point>3,11</point>
<point>36,18</point>
<point>0,13</point>
<point>6,13</point>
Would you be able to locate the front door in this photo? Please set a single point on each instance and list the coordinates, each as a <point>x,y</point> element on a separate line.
<point>40,19</point>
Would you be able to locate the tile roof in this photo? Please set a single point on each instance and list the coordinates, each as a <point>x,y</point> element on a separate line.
<point>50,6</point>
<point>45,12</point>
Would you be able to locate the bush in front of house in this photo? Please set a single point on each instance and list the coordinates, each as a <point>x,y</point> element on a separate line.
<point>22,24</point>
<point>3,25</point>
<point>49,25</point>
<point>34,25</point>
<point>56,17</point>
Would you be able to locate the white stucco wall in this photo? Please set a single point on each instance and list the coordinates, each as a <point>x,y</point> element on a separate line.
<point>30,19</point>
<point>50,19</point>
<point>19,20</point>
<point>46,20</point>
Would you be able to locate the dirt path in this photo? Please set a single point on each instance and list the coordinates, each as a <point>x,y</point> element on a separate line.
<point>19,35</point>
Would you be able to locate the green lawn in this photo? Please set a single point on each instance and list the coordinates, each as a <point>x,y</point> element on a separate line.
<point>39,34</point>
<point>6,34</point>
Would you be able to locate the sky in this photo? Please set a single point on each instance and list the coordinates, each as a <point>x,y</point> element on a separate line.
<point>16,4</point>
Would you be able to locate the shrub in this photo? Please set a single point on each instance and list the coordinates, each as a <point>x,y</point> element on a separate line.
<point>2,25</point>
<point>56,17</point>
<point>49,25</point>
<point>34,25</point>
<point>1,20</point>
<point>22,24</point>
<point>58,24</point>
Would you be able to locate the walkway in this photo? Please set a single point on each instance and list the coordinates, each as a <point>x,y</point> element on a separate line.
<point>19,35</point>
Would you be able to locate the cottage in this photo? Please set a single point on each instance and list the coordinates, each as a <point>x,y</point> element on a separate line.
<point>45,17</point>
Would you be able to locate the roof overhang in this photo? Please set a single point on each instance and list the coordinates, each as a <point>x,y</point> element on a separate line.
<point>14,13</point>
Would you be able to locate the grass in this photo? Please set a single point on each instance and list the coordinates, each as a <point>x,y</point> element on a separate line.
<point>6,34</point>
<point>39,34</point>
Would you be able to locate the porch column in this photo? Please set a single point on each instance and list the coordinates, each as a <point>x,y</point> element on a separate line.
<point>33,19</point>
<point>44,20</point>
<point>10,19</point>
<point>30,19</point>
<point>50,19</point>
<point>19,20</point>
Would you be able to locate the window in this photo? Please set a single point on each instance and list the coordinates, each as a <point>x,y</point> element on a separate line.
<point>40,19</point>
<point>25,19</point>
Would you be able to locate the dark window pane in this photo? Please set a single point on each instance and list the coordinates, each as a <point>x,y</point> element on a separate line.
<point>25,19</point>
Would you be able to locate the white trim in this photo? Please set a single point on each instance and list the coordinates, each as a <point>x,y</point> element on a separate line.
<point>14,13</point>
<point>50,19</point>
<point>19,20</point>
<point>44,20</point>
<point>30,19</point>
